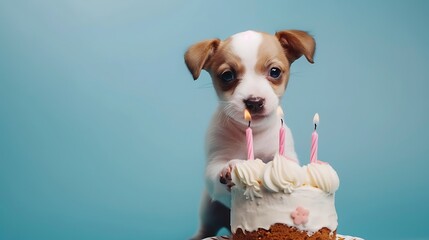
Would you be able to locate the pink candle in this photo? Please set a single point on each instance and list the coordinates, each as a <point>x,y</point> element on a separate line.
<point>314,140</point>
<point>249,136</point>
<point>282,132</point>
<point>282,140</point>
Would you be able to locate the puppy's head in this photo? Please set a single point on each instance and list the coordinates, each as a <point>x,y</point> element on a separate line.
<point>250,70</point>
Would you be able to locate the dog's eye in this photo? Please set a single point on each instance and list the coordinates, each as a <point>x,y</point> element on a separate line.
<point>227,76</point>
<point>275,72</point>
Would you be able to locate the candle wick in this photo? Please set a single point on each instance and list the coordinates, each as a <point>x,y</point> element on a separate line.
<point>249,124</point>
<point>315,126</point>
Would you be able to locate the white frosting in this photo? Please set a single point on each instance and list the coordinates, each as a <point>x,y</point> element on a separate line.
<point>274,208</point>
<point>344,237</point>
<point>322,176</point>
<point>283,175</point>
<point>247,175</point>
<point>265,194</point>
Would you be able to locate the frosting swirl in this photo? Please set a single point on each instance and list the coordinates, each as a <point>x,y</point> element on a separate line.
<point>247,175</point>
<point>323,176</point>
<point>282,174</point>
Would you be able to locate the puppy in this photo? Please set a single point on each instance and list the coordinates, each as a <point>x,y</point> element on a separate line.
<point>249,70</point>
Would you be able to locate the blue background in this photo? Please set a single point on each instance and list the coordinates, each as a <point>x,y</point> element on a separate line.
<point>102,127</point>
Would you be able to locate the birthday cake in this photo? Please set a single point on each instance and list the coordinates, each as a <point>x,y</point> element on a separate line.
<point>282,200</point>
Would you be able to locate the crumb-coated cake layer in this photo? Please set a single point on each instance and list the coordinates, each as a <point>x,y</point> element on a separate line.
<point>280,231</point>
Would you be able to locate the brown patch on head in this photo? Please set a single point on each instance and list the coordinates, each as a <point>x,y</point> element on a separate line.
<point>216,57</point>
<point>297,43</point>
<point>197,56</point>
<point>271,57</point>
<point>221,62</point>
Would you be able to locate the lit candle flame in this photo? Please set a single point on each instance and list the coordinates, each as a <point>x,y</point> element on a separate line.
<point>316,119</point>
<point>247,115</point>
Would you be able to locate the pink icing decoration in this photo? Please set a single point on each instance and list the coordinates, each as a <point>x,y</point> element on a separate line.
<point>300,216</point>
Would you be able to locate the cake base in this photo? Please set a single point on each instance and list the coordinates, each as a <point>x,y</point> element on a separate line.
<point>339,237</point>
<point>280,231</point>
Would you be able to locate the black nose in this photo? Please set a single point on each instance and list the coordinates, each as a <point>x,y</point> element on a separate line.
<point>254,104</point>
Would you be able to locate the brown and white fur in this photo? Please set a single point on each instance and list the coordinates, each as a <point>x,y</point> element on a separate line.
<point>249,70</point>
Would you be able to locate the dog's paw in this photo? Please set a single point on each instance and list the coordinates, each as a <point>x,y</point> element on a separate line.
<point>225,176</point>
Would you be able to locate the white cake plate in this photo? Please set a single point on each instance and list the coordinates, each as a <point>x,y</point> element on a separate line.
<point>339,237</point>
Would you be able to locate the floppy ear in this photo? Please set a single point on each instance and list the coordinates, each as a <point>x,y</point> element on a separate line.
<point>198,54</point>
<point>297,43</point>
